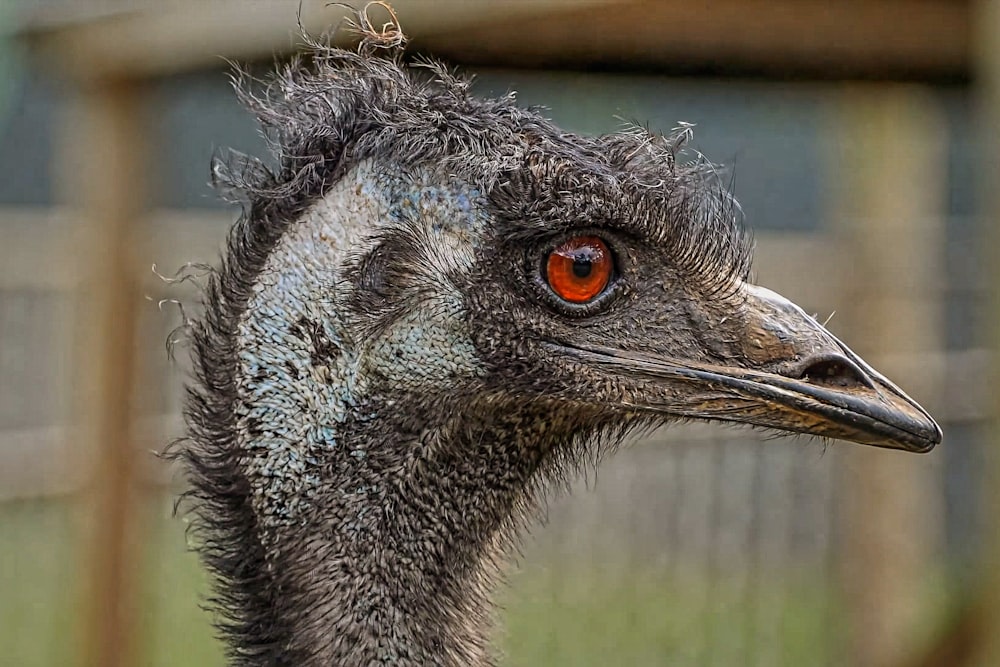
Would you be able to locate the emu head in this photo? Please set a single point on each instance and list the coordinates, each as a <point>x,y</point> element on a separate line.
<point>476,260</point>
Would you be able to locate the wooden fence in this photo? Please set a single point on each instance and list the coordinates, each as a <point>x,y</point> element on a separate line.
<point>736,504</point>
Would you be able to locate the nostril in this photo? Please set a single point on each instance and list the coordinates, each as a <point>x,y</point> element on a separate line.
<point>833,371</point>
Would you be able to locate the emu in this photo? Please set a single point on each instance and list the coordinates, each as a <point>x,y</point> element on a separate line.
<point>431,309</point>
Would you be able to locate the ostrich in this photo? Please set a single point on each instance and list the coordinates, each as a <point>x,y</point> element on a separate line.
<point>432,308</point>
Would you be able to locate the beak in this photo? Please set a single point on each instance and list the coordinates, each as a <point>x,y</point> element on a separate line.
<point>790,374</point>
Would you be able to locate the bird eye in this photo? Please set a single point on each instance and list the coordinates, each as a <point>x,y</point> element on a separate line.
<point>579,269</point>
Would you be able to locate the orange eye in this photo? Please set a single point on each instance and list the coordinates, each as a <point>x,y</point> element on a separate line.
<point>579,269</point>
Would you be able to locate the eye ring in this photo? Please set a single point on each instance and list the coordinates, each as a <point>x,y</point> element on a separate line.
<point>579,270</point>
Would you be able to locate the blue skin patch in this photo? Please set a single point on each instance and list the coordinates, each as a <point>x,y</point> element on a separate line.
<point>292,400</point>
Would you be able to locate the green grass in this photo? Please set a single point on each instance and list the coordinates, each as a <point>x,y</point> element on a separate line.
<point>37,584</point>
<point>41,567</point>
<point>644,616</point>
<point>554,613</point>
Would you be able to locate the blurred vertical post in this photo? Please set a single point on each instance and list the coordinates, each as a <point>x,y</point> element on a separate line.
<point>986,64</point>
<point>104,166</point>
<point>891,208</point>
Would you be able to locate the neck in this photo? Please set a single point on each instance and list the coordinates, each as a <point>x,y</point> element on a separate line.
<point>395,562</point>
<point>348,528</point>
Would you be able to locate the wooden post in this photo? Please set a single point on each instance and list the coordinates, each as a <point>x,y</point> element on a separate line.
<point>105,168</point>
<point>987,77</point>
<point>891,209</point>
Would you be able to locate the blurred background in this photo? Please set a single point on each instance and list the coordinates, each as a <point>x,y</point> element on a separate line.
<point>862,136</point>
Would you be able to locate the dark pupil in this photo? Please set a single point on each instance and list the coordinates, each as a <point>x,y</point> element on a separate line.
<point>583,263</point>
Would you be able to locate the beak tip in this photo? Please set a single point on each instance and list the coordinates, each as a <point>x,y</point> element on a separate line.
<point>922,439</point>
<point>934,440</point>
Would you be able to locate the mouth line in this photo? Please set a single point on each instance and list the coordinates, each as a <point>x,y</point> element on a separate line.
<point>871,415</point>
